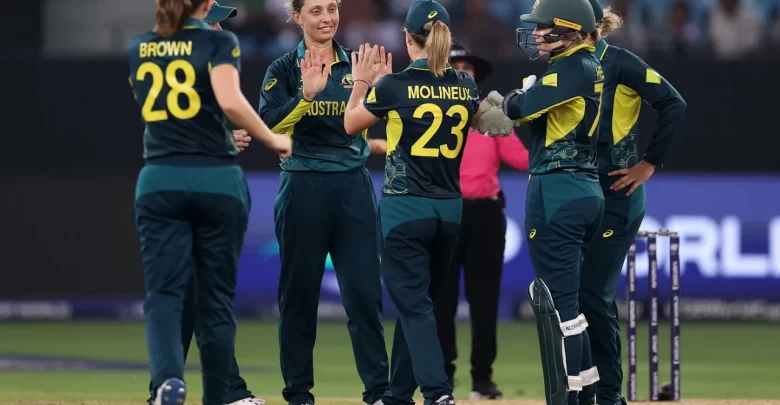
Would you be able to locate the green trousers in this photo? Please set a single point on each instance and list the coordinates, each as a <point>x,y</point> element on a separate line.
<point>563,213</point>
<point>419,236</point>
<point>316,214</point>
<point>601,270</point>
<point>191,223</point>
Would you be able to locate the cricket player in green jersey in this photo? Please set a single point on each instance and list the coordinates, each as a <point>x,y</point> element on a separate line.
<point>238,394</point>
<point>622,174</point>
<point>326,204</point>
<point>429,108</point>
<point>564,203</point>
<point>192,204</point>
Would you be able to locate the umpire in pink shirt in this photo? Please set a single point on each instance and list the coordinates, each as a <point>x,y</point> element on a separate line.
<point>480,247</point>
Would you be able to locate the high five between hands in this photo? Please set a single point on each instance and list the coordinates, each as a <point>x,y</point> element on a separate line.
<point>492,119</point>
<point>371,63</point>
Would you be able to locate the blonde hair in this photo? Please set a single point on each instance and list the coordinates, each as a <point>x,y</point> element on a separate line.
<point>611,22</point>
<point>438,44</point>
<point>171,15</point>
<point>295,6</point>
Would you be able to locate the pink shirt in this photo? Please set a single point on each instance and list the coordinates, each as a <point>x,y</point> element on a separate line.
<point>481,160</point>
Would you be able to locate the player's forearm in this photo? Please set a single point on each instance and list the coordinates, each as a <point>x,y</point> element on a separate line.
<point>522,106</point>
<point>512,105</point>
<point>281,118</point>
<point>351,123</point>
<point>671,117</point>
<point>243,116</point>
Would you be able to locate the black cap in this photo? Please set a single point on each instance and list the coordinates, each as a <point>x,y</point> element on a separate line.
<point>482,67</point>
<point>422,12</point>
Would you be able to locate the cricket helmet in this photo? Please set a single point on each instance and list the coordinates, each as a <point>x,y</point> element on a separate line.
<point>563,16</point>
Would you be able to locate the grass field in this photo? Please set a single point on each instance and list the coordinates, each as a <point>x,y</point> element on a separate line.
<point>721,363</point>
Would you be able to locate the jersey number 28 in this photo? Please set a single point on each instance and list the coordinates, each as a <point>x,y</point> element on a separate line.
<point>419,148</point>
<point>176,88</point>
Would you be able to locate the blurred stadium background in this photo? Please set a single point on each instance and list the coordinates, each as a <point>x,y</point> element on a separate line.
<point>71,285</point>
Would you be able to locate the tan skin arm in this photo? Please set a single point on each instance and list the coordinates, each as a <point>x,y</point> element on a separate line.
<point>227,90</point>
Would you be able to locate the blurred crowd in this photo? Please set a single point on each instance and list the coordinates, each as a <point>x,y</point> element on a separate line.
<point>721,29</point>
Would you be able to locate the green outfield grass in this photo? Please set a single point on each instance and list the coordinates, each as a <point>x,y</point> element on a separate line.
<point>719,361</point>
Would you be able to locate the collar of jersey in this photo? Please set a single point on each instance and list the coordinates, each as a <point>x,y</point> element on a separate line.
<point>341,54</point>
<point>571,51</point>
<point>422,64</point>
<point>194,24</point>
<point>601,49</point>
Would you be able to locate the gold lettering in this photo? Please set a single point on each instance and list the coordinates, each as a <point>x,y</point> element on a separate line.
<point>439,92</point>
<point>165,48</point>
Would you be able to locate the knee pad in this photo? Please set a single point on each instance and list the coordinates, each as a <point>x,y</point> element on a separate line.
<point>552,333</point>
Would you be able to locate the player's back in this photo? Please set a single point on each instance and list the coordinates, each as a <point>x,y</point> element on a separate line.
<point>172,85</point>
<point>428,120</point>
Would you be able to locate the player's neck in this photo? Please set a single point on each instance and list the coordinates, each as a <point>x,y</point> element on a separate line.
<point>330,51</point>
<point>417,54</point>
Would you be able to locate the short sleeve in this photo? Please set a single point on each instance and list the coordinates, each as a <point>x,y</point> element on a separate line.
<point>381,99</point>
<point>226,50</point>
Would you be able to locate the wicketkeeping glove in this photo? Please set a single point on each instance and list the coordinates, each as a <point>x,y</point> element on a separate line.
<point>494,99</point>
<point>494,123</point>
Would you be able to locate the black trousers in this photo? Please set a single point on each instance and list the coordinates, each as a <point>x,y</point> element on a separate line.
<point>480,252</point>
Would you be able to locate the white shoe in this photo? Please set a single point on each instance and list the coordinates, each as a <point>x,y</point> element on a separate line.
<point>378,402</point>
<point>249,401</point>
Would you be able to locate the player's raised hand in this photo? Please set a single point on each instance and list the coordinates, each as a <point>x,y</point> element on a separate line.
<point>314,73</point>
<point>364,64</point>
<point>634,177</point>
<point>385,62</point>
<point>242,139</point>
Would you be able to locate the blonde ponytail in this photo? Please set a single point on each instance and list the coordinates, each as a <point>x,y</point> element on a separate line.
<point>438,44</point>
<point>611,22</point>
<point>171,15</point>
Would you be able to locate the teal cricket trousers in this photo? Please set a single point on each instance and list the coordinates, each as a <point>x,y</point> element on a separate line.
<point>563,213</point>
<point>419,237</point>
<point>237,387</point>
<point>191,222</point>
<point>315,214</point>
<point>601,270</point>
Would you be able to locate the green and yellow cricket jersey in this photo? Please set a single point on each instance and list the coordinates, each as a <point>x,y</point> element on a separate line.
<point>563,109</point>
<point>629,80</point>
<point>317,126</point>
<point>171,82</point>
<point>428,119</point>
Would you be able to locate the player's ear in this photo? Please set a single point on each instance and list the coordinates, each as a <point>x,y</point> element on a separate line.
<point>296,16</point>
<point>207,5</point>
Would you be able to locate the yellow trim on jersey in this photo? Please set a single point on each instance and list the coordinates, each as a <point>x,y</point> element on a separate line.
<point>287,125</point>
<point>625,112</point>
<point>395,127</point>
<point>540,113</point>
<point>564,119</point>
<point>571,51</point>
<point>652,77</point>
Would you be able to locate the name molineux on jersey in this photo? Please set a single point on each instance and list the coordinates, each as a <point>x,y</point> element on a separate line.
<point>162,49</point>
<point>439,92</point>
